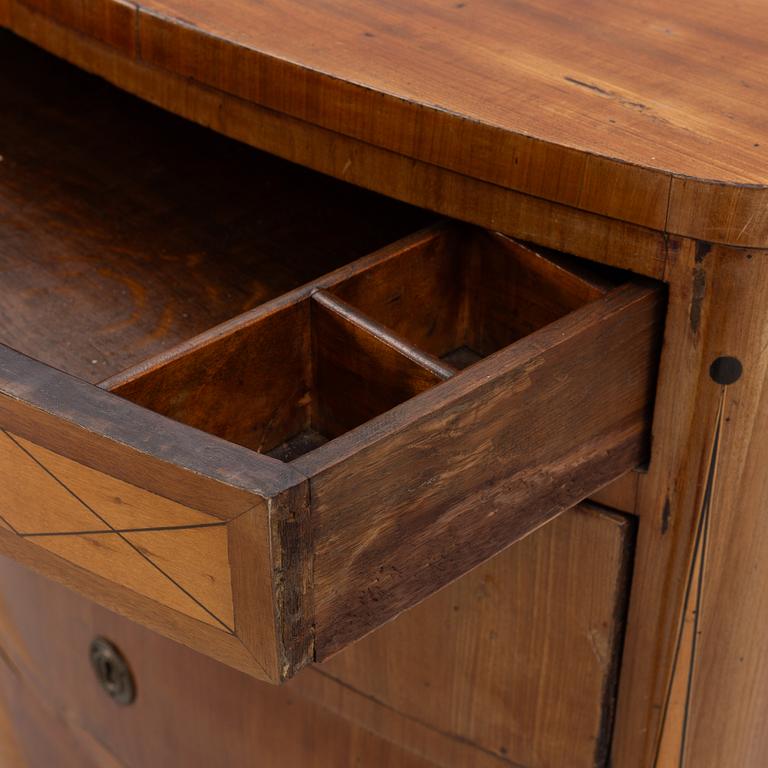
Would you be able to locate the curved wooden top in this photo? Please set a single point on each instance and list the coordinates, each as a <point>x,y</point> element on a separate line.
<point>652,111</point>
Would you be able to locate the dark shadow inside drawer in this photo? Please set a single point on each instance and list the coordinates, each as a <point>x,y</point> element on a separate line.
<point>125,230</point>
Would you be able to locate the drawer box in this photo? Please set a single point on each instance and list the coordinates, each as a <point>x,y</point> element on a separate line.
<point>272,488</point>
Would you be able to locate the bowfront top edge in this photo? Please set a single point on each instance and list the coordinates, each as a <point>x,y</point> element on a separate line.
<point>651,113</point>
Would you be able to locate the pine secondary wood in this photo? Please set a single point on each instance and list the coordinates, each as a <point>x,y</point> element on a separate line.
<point>360,577</point>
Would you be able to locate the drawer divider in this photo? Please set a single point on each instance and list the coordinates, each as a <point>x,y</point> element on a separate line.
<point>369,326</point>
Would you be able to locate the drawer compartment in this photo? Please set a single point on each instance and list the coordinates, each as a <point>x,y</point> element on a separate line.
<point>288,379</point>
<point>261,412</point>
<point>463,303</point>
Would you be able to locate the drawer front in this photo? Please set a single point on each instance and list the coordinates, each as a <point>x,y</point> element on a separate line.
<point>188,711</point>
<point>515,661</point>
<point>268,564</point>
<point>313,432</point>
<point>520,657</point>
<point>130,509</point>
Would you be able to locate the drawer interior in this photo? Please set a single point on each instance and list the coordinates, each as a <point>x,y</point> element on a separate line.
<point>228,289</point>
<point>125,230</point>
<point>297,372</point>
<point>287,381</point>
<point>468,296</point>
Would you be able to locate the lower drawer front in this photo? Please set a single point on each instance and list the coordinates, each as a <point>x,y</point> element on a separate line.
<point>520,657</point>
<point>311,435</point>
<point>189,710</point>
<point>515,661</point>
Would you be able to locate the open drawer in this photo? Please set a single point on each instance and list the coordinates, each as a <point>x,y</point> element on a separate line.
<point>303,440</point>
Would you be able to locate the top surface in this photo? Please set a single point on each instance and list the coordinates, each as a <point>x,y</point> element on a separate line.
<point>677,86</point>
<point>596,104</point>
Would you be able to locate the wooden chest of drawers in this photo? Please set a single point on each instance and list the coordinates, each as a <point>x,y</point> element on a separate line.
<point>251,413</point>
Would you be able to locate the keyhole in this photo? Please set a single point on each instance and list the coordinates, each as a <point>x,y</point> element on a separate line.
<point>112,671</point>
<point>107,673</point>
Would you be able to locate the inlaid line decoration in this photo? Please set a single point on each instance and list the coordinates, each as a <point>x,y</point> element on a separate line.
<point>9,526</point>
<point>695,584</point>
<point>120,533</point>
<point>703,542</point>
<point>151,529</point>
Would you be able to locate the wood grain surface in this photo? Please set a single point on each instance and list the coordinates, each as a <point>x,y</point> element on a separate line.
<point>520,656</point>
<point>706,476</point>
<point>179,560</point>
<point>252,386</point>
<point>302,365</point>
<point>463,197</point>
<point>691,166</point>
<point>523,452</point>
<point>139,517</point>
<point>125,230</point>
<point>189,710</point>
<point>194,712</point>
<point>296,575</point>
<point>359,374</point>
<point>377,443</point>
<point>470,289</point>
<point>620,494</point>
<point>624,100</point>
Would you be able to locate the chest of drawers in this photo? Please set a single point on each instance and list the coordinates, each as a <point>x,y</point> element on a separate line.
<point>255,413</point>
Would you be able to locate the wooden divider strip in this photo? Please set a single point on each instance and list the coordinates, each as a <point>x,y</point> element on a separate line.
<point>371,327</point>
